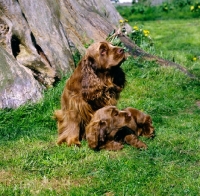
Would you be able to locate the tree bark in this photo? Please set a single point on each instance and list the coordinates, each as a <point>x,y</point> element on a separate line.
<point>87,20</point>
<point>17,84</point>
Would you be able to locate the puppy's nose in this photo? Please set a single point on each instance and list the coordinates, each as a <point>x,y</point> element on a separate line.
<point>120,51</point>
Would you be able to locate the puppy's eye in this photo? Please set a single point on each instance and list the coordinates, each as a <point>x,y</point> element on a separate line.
<point>127,115</point>
<point>115,113</point>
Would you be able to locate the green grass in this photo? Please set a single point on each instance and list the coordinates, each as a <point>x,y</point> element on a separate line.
<point>144,12</point>
<point>176,40</point>
<point>32,164</point>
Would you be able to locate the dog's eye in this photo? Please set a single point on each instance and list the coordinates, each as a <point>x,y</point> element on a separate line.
<point>115,113</point>
<point>128,115</point>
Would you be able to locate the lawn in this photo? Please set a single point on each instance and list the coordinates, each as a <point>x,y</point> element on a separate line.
<point>32,164</point>
<point>177,40</point>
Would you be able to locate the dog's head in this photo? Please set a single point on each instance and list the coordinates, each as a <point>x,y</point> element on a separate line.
<point>146,129</point>
<point>111,118</point>
<point>100,70</point>
<point>143,122</point>
<point>103,55</point>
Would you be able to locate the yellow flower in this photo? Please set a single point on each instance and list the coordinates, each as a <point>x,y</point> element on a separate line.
<point>192,8</point>
<point>135,28</point>
<point>146,32</point>
<point>194,59</point>
<point>121,21</point>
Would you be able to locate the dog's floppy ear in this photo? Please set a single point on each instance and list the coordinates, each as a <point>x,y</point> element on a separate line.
<point>91,84</point>
<point>148,119</point>
<point>103,49</point>
<point>95,132</point>
<point>148,129</point>
<point>102,130</point>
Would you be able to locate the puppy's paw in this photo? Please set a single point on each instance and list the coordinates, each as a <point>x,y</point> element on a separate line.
<point>112,145</point>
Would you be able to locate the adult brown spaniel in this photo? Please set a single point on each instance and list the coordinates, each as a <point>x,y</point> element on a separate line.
<point>96,82</point>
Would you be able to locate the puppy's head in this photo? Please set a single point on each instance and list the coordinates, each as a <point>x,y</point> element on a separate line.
<point>103,122</point>
<point>114,117</point>
<point>143,122</point>
<point>103,55</point>
<point>146,129</point>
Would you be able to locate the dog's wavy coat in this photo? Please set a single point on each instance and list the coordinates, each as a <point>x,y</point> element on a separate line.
<point>140,123</point>
<point>96,82</point>
<point>103,126</point>
<point>109,128</point>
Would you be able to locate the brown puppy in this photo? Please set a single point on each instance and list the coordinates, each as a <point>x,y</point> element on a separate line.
<point>96,82</point>
<point>106,121</point>
<point>108,129</point>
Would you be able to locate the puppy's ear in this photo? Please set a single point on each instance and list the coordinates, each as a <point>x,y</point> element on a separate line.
<point>95,133</point>
<point>102,130</point>
<point>91,84</point>
<point>147,119</point>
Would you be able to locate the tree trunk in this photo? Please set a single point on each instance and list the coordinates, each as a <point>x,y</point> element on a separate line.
<point>17,84</point>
